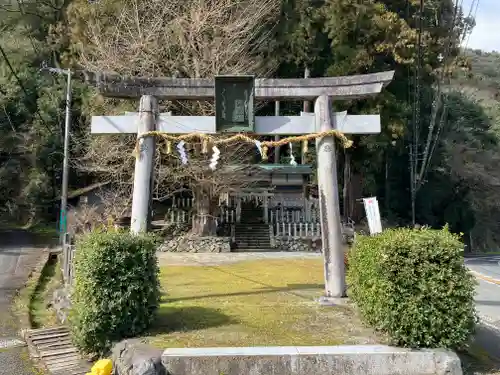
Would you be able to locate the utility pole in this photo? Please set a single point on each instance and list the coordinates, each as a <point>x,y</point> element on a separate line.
<point>67,124</point>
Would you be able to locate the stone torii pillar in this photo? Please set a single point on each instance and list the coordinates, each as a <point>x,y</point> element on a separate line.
<point>331,230</point>
<point>323,90</point>
<point>143,174</point>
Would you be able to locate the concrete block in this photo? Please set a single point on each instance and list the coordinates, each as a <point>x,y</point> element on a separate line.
<point>320,360</point>
<point>136,359</point>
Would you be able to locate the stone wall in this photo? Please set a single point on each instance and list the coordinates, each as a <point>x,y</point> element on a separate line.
<point>172,230</point>
<point>295,244</point>
<point>194,244</point>
<point>302,245</point>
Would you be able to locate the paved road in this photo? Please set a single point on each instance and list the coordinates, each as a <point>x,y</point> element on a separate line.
<point>17,256</point>
<point>487,271</point>
<point>488,291</point>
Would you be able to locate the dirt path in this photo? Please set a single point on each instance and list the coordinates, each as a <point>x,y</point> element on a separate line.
<point>212,259</point>
<point>18,255</point>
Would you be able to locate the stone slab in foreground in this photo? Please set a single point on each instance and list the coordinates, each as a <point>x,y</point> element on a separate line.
<point>132,358</point>
<point>310,360</point>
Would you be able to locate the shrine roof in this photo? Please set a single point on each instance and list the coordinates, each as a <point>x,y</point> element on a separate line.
<point>341,88</point>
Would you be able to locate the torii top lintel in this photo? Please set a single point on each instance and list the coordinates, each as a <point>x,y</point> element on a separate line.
<point>339,88</point>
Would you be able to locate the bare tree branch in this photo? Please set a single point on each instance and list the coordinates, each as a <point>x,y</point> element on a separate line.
<point>188,38</point>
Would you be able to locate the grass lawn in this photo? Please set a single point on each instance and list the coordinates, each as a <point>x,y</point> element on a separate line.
<point>264,302</point>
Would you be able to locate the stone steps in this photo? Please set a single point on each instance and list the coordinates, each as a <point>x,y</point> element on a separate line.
<point>252,216</point>
<point>252,237</point>
<point>252,234</point>
<point>243,244</point>
<point>245,225</point>
<point>53,349</point>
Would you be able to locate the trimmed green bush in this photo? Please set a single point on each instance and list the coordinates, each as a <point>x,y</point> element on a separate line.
<point>413,285</point>
<point>116,290</point>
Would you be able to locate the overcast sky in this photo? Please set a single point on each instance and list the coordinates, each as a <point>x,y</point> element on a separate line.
<point>485,35</point>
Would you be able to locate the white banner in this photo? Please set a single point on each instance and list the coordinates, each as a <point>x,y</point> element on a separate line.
<point>373,215</point>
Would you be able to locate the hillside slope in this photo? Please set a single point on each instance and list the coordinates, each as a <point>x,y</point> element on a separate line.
<point>482,83</point>
<point>473,147</point>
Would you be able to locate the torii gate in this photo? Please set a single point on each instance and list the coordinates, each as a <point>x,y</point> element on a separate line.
<point>322,90</point>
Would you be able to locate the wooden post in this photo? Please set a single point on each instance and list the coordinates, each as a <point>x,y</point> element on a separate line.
<point>143,174</point>
<point>329,204</point>
<point>307,104</point>
<point>266,209</point>
<point>238,209</point>
<point>306,108</point>
<point>277,137</point>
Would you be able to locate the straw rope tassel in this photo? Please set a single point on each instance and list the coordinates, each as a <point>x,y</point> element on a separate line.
<point>204,148</point>
<point>292,158</point>
<point>263,146</point>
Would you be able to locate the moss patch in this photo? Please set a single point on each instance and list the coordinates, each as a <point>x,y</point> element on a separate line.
<point>36,296</point>
<point>264,302</point>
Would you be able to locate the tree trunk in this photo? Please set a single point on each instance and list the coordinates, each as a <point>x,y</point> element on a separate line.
<point>204,221</point>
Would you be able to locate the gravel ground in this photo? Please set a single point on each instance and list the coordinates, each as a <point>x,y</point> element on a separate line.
<point>212,259</point>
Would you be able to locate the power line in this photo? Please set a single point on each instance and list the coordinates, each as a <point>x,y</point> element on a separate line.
<point>437,102</point>
<point>473,9</point>
<point>417,177</point>
<point>476,3</point>
<point>416,112</point>
<point>21,10</point>
<point>4,55</point>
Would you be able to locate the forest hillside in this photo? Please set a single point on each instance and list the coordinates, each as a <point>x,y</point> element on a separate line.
<point>440,115</point>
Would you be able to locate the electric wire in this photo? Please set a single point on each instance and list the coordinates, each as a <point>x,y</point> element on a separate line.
<point>23,88</point>
<point>437,101</point>
<point>30,36</point>
<point>472,13</point>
